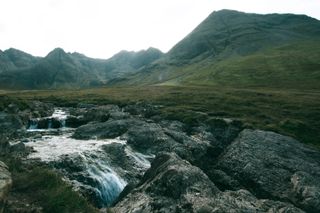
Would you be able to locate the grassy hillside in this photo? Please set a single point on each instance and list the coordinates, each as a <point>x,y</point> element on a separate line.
<point>290,112</point>
<point>290,66</point>
<point>231,48</point>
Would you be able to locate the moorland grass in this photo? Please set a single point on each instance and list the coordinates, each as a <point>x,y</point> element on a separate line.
<point>287,111</point>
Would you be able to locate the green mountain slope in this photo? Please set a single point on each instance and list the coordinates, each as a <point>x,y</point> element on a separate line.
<point>59,69</point>
<point>240,49</point>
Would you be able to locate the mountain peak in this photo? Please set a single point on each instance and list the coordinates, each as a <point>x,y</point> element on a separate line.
<point>57,52</point>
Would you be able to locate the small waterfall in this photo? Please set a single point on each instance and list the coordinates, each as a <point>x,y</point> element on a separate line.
<point>33,124</point>
<point>85,162</point>
<point>110,184</point>
<point>55,121</point>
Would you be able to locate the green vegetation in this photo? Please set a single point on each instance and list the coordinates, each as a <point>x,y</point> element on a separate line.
<point>289,112</point>
<point>42,186</point>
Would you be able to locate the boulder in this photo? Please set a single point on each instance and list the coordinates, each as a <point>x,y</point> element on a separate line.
<point>5,181</point>
<point>174,185</point>
<point>17,146</point>
<point>274,166</point>
<point>9,123</point>
<point>109,129</point>
<point>75,121</point>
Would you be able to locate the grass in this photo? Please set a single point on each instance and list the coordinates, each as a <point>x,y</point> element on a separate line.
<point>287,111</point>
<point>42,186</point>
<point>291,66</point>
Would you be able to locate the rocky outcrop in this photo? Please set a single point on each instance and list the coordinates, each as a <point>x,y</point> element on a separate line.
<point>109,129</point>
<point>9,123</point>
<point>174,185</point>
<point>5,183</point>
<point>274,166</point>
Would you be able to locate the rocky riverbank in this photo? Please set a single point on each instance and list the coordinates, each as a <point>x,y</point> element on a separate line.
<point>132,160</point>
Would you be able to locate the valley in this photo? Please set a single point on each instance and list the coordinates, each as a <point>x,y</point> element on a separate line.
<point>227,120</point>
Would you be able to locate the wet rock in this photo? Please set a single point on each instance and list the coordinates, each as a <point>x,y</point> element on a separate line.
<point>17,147</point>
<point>43,123</point>
<point>149,138</point>
<point>142,109</point>
<point>274,166</point>
<point>5,182</point>
<point>174,185</point>
<point>109,129</point>
<point>9,123</point>
<point>170,185</point>
<point>75,121</point>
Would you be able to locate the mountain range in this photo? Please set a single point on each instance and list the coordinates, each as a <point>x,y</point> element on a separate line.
<point>228,48</point>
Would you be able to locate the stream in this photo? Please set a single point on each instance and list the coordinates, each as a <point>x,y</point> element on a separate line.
<point>99,169</point>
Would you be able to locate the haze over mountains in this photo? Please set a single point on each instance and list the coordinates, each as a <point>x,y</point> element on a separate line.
<point>228,48</point>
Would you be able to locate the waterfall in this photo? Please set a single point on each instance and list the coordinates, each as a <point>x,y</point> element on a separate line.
<point>109,185</point>
<point>55,121</point>
<point>87,156</point>
<point>33,124</point>
<point>85,163</point>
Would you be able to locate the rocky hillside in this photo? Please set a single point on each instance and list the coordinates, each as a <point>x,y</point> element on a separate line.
<point>229,48</point>
<point>19,70</point>
<point>241,49</point>
<point>215,166</point>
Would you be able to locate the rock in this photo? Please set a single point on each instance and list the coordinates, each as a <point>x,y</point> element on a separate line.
<point>75,121</point>
<point>43,123</point>
<point>274,166</point>
<point>5,181</point>
<point>109,129</point>
<point>170,185</point>
<point>174,185</point>
<point>142,109</point>
<point>9,123</point>
<point>17,147</point>
<point>244,201</point>
<point>25,140</point>
<point>148,138</point>
<point>12,108</point>
<point>56,123</point>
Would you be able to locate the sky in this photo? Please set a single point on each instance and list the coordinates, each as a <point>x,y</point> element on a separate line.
<point>101,28</point>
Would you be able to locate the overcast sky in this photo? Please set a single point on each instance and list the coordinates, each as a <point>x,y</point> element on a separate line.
<point>101,28</point>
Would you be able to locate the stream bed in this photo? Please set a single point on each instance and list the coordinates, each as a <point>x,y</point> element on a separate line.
<point>99,169</point>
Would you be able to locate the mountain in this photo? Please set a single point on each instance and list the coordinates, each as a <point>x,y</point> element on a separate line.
<point>229,48</point>
<point>14,59</point>
<point>126,62</point>
<point>19,70</point>
<point>241,49</point>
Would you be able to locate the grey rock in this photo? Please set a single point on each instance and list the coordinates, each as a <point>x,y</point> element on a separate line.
<point>109,129</point>
<point>9,123</point>
<point>75,121</point>
<point>174,185</point>
<point>5,181</point>
<point>170,185</point>
<point>274,166</point>
<point>17,146</point>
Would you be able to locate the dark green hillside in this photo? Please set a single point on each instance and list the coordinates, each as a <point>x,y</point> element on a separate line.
<point>228,33</point>
<point>239,49</point>
<point>125,62</point>
<point>59,69</point>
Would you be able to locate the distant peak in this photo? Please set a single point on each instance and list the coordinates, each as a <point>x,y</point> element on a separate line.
<point>56,52</point>
<point>58,49</point>
<point>153,49</point>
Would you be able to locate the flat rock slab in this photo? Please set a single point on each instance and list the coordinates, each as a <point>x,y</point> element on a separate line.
<point>5,181</point>
<point>274,166</point>
<point>174,185</point>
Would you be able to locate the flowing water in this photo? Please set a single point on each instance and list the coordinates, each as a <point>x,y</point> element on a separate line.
<point>86,154</point>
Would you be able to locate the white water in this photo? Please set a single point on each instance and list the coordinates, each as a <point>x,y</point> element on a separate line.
<point>58,114</point>
<point>51,148</point>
